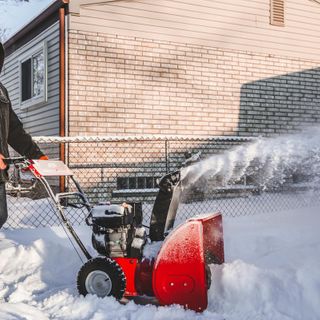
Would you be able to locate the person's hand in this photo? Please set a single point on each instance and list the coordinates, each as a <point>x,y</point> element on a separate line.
<point>3,166</point>
<point>44,157</point>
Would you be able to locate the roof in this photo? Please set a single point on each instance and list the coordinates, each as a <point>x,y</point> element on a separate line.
<point>42,21</point>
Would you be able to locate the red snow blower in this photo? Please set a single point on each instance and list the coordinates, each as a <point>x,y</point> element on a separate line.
<point>178,274</point>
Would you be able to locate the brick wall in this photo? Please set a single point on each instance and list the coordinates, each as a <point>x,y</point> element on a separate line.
<point>123,85</point>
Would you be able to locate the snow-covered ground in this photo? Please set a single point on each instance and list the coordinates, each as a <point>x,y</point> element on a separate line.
<point>271,272</point>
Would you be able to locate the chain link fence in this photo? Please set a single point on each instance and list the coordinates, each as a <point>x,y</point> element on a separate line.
<point>126,169</point>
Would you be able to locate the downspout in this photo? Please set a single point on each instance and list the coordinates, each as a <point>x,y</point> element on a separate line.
<point>62,87</point>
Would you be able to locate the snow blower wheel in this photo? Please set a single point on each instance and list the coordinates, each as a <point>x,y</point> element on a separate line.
<point>208,277</point>
<point>103,277</point>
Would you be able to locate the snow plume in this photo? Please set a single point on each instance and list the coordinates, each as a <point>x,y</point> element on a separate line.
<point>270,161</point>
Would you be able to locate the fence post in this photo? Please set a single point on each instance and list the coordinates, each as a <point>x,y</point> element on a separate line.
<point>62,179</point>
<point>167,155</point>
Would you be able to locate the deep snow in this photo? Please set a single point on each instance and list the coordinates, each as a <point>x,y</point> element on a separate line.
<point>271,272</point>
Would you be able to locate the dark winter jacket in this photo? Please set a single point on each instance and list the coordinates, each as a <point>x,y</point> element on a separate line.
<point>11,130</point>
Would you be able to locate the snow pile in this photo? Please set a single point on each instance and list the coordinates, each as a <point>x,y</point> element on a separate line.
<point>271,272</point>
<point>272,161</point>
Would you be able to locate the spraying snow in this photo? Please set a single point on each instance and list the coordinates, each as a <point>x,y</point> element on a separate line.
<point>271,160</point>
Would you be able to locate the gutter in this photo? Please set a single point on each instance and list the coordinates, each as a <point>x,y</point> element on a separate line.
<point>63,85</point>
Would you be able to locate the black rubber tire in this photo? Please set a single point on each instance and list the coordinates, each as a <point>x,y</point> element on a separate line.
<point>106,266</point>
<point>208,276</point>
<point>210,259</point>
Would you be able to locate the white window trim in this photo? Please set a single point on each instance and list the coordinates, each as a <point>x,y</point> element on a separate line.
<point>39,100</point>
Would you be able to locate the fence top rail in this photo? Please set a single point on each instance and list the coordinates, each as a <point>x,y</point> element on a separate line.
<point>52,139</point>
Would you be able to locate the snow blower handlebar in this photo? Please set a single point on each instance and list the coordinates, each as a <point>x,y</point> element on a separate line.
<point>17,185</point>
<point>42,168</point>
<point>21,162</point>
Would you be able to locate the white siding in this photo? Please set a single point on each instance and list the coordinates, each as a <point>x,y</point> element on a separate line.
<point>42,119</point>
<point>241,24</point>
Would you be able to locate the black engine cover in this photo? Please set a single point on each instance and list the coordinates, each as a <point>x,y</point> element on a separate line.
<point>112,215</point>
<point>117,230</point>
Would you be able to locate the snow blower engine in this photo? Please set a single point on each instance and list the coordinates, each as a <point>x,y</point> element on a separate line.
<point>117,230</point>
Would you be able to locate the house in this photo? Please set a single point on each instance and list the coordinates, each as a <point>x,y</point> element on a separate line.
<point>210,67</point>
<point>127,67</point>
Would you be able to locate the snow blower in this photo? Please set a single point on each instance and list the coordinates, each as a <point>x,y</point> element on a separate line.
<point>178,274</point>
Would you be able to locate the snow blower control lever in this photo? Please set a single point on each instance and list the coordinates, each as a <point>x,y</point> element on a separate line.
<point>178,274</point>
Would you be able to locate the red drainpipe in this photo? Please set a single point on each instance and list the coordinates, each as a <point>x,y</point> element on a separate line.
<point>62,88</point>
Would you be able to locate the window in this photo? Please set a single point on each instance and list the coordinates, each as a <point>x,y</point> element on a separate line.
<point>33,77</point>
<point>136,183</point>
<point>277,12</point>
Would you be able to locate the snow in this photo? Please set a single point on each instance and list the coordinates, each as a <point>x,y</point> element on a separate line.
<point>151,250</point>
<point>272,258</point>
<point>271,272</point>
<point>144,137</point>
<point>271,161</point>
<point>15,14</point>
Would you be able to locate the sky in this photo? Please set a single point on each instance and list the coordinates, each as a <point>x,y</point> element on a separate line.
<point>15,14</point>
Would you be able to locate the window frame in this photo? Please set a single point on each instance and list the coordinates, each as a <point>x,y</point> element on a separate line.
<point>41,99</point>
<point>131,183</point>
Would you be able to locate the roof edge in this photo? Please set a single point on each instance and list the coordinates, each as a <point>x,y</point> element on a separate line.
<point>40,18</point>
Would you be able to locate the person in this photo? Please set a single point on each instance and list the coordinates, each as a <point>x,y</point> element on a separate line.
<point>13,134</point>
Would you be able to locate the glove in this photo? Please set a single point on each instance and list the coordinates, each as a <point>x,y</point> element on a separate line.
<point>41,158</point>
<point>3,166</point>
